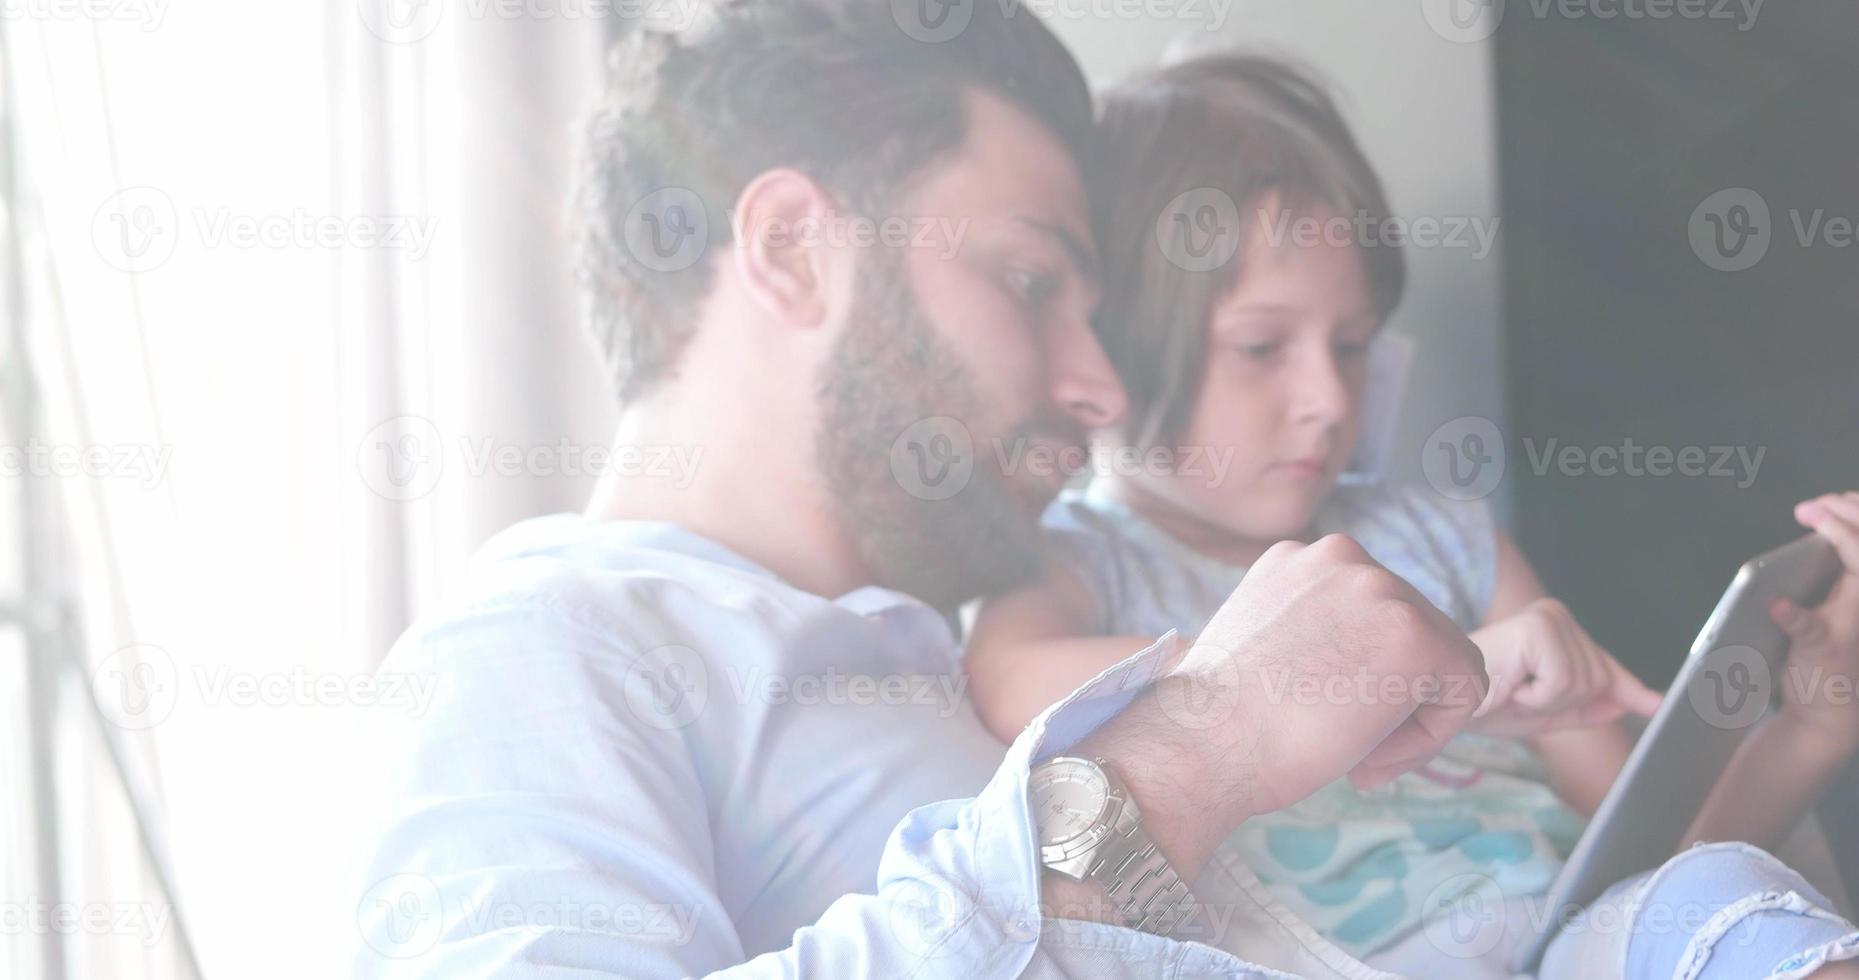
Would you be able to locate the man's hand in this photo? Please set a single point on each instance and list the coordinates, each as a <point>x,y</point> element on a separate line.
<point>1548,674</point>
<point>1322,663</point>
<point>1342,669</point>
<point>1824,641</point>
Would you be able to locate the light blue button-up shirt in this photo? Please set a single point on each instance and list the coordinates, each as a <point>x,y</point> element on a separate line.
<point>647,756</point>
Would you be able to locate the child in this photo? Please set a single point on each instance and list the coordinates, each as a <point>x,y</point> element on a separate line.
<point>1262,357</point>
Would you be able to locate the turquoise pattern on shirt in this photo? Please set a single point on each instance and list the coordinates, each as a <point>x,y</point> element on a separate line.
<point>1362,868</point>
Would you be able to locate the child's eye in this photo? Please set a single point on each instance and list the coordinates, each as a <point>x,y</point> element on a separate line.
<point>1032,287</point>
<point>1350,353</point>
<point>1260,352</point>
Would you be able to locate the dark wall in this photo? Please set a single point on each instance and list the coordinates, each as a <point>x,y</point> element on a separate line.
<point>1612,134</point>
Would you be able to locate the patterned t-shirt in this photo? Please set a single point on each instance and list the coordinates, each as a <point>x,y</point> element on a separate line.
<point>1360,867</point>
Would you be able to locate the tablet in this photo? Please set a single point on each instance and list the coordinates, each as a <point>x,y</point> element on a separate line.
<point>1723,689</point>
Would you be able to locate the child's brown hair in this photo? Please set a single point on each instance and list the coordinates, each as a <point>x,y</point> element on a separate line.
<point>1251,127</point>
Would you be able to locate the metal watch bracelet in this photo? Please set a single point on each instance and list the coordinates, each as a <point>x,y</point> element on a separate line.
<point>1137,878</point>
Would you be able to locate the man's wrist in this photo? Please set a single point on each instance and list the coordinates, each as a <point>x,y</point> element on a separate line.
<point>1183,786</point>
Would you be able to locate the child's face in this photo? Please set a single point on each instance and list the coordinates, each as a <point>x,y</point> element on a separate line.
<point>1282,384</point>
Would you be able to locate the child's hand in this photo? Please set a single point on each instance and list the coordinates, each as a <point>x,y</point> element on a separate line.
<point>1824,641</point>
<point>1547,673</point>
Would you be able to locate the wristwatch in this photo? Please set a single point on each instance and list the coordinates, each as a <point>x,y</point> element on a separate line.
<point>1089,827</point>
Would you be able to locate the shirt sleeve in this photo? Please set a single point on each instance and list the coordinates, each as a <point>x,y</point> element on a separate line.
<point>1446,548</point>
<point>1080,542</point>
<point>536,828</point>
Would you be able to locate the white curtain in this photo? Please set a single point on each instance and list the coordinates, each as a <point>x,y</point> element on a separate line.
<point>298,285</point>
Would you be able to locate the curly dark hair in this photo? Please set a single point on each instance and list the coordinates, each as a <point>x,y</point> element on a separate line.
<point>839,89</point>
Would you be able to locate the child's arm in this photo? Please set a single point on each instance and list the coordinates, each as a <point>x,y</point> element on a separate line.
<point>1583,762</point>
<point>1776,774</point>
<point>1790,759</point>
<point>1030,648</point>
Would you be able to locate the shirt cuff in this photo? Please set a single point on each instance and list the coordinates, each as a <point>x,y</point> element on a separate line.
<point>1098,700</point>
<point>981,856</point>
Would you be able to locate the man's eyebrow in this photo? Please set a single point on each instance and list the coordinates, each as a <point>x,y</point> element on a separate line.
<point>1083,256</point>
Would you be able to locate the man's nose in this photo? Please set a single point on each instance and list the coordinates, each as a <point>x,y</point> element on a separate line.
<point>1084,383</point>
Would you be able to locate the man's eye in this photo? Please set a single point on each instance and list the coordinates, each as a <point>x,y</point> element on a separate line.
<point>1350,353</point>
<point>1259,352</point>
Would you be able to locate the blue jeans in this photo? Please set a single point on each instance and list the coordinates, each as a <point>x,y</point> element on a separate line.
<point>1724,911</point>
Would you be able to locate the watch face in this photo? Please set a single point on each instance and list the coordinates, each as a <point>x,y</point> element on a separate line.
<point>1068,797</point>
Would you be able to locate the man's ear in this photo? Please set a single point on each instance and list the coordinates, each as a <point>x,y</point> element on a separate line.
<point>780,250</point>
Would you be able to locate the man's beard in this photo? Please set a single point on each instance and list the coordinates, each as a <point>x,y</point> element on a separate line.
<point>888,371</point>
